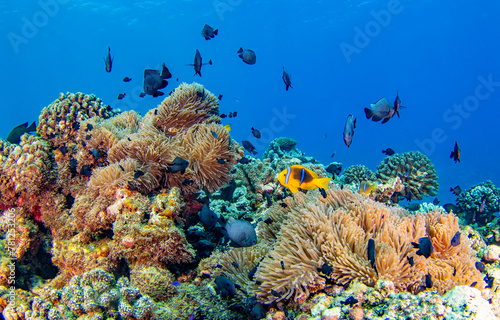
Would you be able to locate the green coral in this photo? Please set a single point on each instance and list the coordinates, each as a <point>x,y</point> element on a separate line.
<point>415,170</point>
<point>357,174</point>
<point>471,201</point>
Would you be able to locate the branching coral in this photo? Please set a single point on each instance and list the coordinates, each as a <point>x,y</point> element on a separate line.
<point>357,174</point>
<point>414,169</point>
<point>479,202</point>
<point>335,231</point>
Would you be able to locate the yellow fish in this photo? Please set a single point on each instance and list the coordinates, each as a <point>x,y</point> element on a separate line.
<point>297,176</point>
<point>228,127</point>
<point>367,187</point>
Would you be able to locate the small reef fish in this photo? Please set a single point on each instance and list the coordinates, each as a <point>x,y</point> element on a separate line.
<point>350,301</point>
<point>326,269</point>
<point>413,207</point>
<point>410,261</point>
<point>455,241</point>
<point>223,116</point>
<point>456,191</point>
<point>450,207</point>
<point>244,160</point>
<point>127,79</point>
<point>249,147</point>
<point>397,104</point>
<point>480,266</point>
<point>286,79</point>
<point>240,232</point>
<point>228,127</point>
<point>428,281</point>
<point>208,32</point>
<point>284,205</point>
<point>424,246</point>
<point>297,176</point>
<point>198,63</point>
<point>176,283</point>
<point>186,182</point>
<point>268,199</point>
<point>388,152</point>
<point>365,188</point>
<point>225,287</point>
<point>334,168</point>
<point>435,201</point>
<point>177,165</point>
<point>333,154</point>
<point>248,56</point>
<point>214,134</point>
<point>173,130</point>
<point>15,134</point>
<point>121,96</point>
<point>108,61</point>
<point>371,253</point>
<point>323,192</point>
<point>221,161</point>
<point>455,154</point>
<point>138,174</point>
<point>382,109</point>
<point>154,80</point>
<point>207,217</point>
<point>350,125</point>
<point>483,203</point>
<point>235,264</point>
<point>220,97</point>
<point>256,133</point>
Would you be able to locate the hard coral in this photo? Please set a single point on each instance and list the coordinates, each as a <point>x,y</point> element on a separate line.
<point>478,203</point>
<point>357,174</point>
<point>335,231</point>
<point>60,121</point>
<point>414,169</point>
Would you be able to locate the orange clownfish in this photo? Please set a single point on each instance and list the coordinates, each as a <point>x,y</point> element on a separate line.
<point>367,187</point>
<point>297,176</point>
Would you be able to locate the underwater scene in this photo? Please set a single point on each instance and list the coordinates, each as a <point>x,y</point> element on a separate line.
<point>237,159</point>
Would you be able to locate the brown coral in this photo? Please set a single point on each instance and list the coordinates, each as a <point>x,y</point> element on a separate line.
<point>336,231</point>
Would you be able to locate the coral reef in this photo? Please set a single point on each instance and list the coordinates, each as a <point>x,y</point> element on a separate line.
<point>357,174</point>
<point>478,203</point>
<point>416,172</point>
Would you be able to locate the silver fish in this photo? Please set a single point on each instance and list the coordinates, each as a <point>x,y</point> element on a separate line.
<point>382,109</point>
<point>350,125</point>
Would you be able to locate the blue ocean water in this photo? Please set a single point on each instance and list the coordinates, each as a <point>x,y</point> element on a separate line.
<point>442,56</point>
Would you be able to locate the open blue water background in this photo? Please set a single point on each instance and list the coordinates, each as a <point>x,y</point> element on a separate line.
<point>438,54</point>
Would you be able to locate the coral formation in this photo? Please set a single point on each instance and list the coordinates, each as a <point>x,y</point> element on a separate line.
<point>416,172</point>
<point>478,203</point>
<point>357,174</point>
